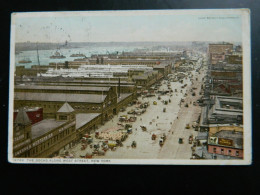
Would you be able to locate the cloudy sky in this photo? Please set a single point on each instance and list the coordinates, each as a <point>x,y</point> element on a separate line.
<point>128,28</point>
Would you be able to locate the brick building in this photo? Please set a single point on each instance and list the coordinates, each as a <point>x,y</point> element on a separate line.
<point>227,143</point>
<point>217,52</point>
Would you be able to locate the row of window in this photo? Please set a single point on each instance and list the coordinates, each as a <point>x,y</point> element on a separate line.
<point>222,151</point>
<point>45,145</point>
<point>59,106</point>
<point>88,108</point>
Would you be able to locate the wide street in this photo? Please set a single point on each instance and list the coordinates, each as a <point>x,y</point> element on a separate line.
<point>159,123</point>
<point>187,115</point>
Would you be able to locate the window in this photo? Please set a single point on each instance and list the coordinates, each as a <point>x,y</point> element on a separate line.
<point>229,152</point>
<point>214,150</point>
<point>237,153</point>
<point>222,151</point>
<point>62,117</point>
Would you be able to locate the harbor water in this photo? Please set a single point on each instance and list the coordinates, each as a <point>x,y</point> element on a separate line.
<point>44,55</point>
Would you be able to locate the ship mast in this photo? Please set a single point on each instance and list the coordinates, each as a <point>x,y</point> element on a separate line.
<point>38,58</point>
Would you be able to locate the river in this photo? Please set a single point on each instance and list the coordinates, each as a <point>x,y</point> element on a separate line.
<point>44,55</point>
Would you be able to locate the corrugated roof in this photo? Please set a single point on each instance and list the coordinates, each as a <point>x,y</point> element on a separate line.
<point>44,126</point>
<point>84,118</point>
<point>58,97</point>
<point>123,96</point>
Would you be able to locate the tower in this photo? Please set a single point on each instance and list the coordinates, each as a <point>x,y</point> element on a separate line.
<point>65,113</point>
<point>22,127</point>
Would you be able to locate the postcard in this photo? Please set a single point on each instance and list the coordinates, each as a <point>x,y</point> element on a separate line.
<point>161,87</point>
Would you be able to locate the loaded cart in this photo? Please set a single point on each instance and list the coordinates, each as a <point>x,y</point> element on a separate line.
<point>161,142</point>
<point>190,139</point>
<point>180,140</point>
<point>133,144</point>
<point>143,127</point>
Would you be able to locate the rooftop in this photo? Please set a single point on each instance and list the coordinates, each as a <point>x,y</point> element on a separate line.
<point>235,136</point>
<point>202,136</point>
<point>22,117</point>
<point>58,97</point>
<point>44,126</point>
<point>140,77</point>
<point>48,87</point>
<point>66,108</point>
<point>228,105</point>
<point>123,96</point>
<point>84,118</point>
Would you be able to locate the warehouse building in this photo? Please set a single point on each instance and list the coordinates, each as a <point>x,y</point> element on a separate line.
<point>47,137</point>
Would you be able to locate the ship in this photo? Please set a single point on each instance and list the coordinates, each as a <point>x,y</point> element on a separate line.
<point>77,55</point>
<point>80,59</point>
<point>25,61</point>
<point>57,55</point>
<point>18,52</point>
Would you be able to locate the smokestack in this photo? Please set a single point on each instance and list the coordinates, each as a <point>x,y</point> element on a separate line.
<point>66,64</point>
<point>119,87</point>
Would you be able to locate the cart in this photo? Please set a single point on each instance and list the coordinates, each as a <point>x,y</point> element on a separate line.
<point>161,142</point>
<point>190,139</point>
<point>132,119</point>
<point>133,145</point>
<point>143,128</point>
<point>90,140</point>
<point>129,131</point>
<point>127,126</point>
<point>83,146</point>
<point>163,137</point>
<point>180,140</point>
<point>187,126</point>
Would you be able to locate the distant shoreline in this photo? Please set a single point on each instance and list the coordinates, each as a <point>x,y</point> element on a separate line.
<point>27,46</point>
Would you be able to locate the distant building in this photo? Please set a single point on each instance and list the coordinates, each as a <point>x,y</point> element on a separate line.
<point>217,51</point>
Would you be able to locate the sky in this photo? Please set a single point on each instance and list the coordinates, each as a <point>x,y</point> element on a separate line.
<point>129,28</point>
